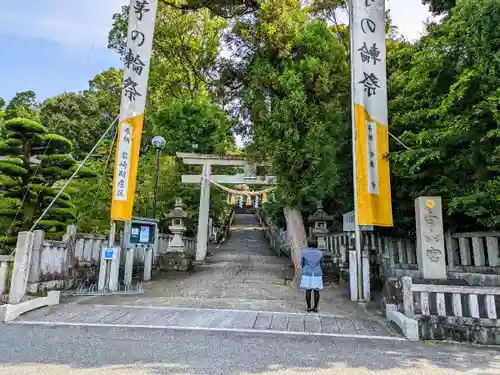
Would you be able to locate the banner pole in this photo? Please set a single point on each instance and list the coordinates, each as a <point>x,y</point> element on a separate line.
<point>357,231</point>
<point>111,244</point>
<point>140,34</point>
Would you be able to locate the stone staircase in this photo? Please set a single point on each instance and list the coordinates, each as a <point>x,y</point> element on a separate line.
<point>242,273</point>
<point>240,287</point>
<point>246,247</point>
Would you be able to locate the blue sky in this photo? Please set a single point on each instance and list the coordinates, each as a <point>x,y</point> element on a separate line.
<point>56,46</point>
<point>53,46</point>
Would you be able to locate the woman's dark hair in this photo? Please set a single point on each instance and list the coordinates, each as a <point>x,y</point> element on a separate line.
<point>312,242</point>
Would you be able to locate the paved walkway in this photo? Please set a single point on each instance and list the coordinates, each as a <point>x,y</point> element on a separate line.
<point>240,287</point>
<point>243,273</point>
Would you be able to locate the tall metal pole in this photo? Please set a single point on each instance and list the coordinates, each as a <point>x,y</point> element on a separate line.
<point>111,243</point>
<point>156,181</point>
<point>357,231</point>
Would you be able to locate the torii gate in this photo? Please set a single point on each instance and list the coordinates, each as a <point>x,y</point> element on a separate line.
<point>207,161</point>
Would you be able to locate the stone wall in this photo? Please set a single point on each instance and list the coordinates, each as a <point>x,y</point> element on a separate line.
<point>452,312</point>
<point>472,257</point>
<point>62,264</point>
<point>76,258</point>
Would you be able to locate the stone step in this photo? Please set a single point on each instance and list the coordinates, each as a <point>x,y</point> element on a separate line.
<point>210,319</point>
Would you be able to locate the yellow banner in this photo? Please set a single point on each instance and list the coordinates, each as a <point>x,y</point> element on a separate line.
<point>373,189</point>
<point>137,57</point>
<point>126,166</point>
<point>368,64</point>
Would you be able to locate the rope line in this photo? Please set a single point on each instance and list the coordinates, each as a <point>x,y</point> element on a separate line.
<point>239,192</point>
<point>105,170</point>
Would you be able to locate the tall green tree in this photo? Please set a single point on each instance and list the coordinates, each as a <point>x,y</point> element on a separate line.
<point>33,162</point>
<point>194,125</point>
<point>444,101</point>
<point>78,117</point>
<point>22,105</point>
<point>296,99</point>
<point>185,51</point>
<point>106,87</point>
<point>83,117</point>
<point>2,113</point>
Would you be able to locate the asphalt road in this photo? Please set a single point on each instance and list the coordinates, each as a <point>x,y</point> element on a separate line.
<point>30,350</point>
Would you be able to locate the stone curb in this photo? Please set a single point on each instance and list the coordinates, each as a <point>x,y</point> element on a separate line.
<point>11,312</point>
<point>209,329</point>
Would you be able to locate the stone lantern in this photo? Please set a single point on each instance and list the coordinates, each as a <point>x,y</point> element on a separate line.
<point>320,220</point>
<point>177,216</point>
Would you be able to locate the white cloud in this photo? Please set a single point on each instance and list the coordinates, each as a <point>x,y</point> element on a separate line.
<point>409,16</point>
<point>83,25</point>
<point>75,24</point>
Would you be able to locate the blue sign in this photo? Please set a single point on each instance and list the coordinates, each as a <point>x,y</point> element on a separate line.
<point>109,253</point>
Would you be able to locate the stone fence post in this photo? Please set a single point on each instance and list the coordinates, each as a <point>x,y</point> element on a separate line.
<point>407,297</point>
<point>35,263</point>
<point>70,239</point>
<point>21,270</point>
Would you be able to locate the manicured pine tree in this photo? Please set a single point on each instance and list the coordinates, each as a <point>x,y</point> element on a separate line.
<point>33,163</point>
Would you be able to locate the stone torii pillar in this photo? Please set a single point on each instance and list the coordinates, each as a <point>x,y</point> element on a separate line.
<point>202,235</point>
<point>207,161</point>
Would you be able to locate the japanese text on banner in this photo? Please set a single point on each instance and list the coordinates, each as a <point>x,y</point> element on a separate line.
<point>368,51</point>
<point>142,18</point>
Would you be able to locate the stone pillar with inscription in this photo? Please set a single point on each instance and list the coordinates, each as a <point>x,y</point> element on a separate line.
<point>430,237</point>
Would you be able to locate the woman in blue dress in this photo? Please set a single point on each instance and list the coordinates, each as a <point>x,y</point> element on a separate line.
<point>312,273</point>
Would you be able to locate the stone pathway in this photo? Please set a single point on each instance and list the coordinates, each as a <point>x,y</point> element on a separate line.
<point>209,319</point>
<point>243,273</point>
<point>240,287</point>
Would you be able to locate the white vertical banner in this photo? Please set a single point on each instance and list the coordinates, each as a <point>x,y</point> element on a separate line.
<point>136,58</point>
<point>368,62</point>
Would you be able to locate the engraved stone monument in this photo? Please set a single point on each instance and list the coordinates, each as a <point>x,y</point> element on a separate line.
<point>430,237</point>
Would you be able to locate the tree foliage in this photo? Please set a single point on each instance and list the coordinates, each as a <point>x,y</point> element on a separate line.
<point>194,126</point>
<point>438,7</point>
<point>33,162</point>
<point>444,101</point>
<point>22,105</point>
<point>185,51</point>
<point>2,114</point>
<point>222,8</point>
<point>281,69</point>
<point>107,88</point>
<point>77,115</point>
<point>83,117</point>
